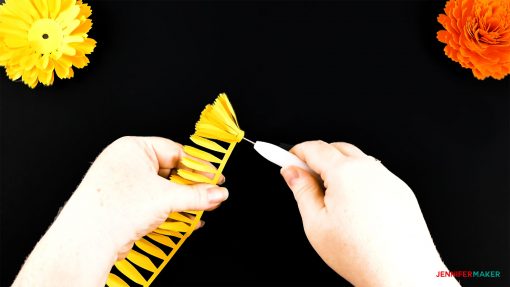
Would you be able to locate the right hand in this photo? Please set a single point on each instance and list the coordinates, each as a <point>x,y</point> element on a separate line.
<point>366,223</point>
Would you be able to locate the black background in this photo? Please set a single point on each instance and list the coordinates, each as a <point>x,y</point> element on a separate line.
<point>369,73</point>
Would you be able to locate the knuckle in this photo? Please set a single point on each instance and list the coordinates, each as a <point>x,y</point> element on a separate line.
<point>127,141</point>
<point>298,147</point>
<point>343,144</point>
<point>319,142</point>
<point>300,192</point>
<point>304,146</point>
<point>201,195</point>
<point>349,148</point>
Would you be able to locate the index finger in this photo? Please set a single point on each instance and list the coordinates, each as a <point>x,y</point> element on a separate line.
<point>164,152</point>
<point>169,155</point>
<point>318,155</point>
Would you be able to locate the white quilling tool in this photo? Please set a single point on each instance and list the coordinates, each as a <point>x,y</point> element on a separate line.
<point>279,156</point>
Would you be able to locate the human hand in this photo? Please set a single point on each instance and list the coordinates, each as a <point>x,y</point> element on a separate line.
<point>129,181</point>
<point>123,196</point>
<point>366,224</point>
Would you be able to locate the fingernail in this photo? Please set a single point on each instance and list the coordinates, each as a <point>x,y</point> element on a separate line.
<point>202,223</point>
<point>222,180</point>
<point>217,194</point>
<point>290,175</point>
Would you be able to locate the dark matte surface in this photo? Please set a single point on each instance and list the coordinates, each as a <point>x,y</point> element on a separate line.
<point>364,72</point>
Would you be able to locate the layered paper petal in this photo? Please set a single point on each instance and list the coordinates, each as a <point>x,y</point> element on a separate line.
<point>41,38</point>
<point>477,36</point>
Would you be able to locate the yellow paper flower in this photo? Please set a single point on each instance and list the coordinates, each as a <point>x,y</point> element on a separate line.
<point>38,37</point>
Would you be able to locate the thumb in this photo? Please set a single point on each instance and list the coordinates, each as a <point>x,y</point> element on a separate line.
<point>180,197</point>
<point>306,190</point>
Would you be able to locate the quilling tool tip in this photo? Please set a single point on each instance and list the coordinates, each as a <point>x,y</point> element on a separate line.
<point>249,141</point>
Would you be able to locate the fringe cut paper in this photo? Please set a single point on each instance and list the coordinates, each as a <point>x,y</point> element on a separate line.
<point>218,131</point>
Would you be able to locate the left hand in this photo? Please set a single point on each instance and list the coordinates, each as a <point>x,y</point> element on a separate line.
<point>123,196</point>
<point>128,182</point>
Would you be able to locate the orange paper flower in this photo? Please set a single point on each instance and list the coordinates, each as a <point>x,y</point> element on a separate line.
<point>477,35</point>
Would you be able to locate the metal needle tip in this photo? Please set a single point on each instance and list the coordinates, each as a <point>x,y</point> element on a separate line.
<point>249,141</point>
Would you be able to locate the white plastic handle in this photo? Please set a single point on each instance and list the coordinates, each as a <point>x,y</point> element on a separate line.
<point>281,157</point>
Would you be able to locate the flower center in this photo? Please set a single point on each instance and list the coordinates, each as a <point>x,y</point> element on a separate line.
<point>45,36</point>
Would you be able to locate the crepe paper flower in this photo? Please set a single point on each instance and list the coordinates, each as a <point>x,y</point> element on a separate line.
<point>38,37</point>
<point>477,35</point>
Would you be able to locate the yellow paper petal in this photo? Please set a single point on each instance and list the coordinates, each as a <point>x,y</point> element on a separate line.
<point>66,4</point>
<point>71,73</point>
<point>42,7</point>
<point>29,61</point>
<point>30,77</point>
<point>15,42</point>
<point>20,8</point>
<point>13,74</point>
<point>68,50</point>
<point>175,226</point>
<point>193,151</point>
<point>197,165</point>
<point>169,232</point>
<point>42,62</point>
<point>115,281</point>
<point>189,175</point>
<point>141,260</point>
<point>165,240</point>
<point>85,11</point>
<point>86,47</point>
<point>79,61</point>
<point>52,78</point>
<point>45,77</point>
<point>209,144</point>
<point>179,217</point>
<point>83,28</point>
<point>69,28</point>
<point>14,23</point>
<point>13,33</point>
<point>68,15</point>
<point>180,180</point>
<point>73,38</point>
<point>61,70</point>
<point>151,248</point>
<point>54,8</point>
<point>223,99</point>
<point>130,271</point>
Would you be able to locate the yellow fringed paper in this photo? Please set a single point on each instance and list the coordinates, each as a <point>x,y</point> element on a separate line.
<point>217,122</point>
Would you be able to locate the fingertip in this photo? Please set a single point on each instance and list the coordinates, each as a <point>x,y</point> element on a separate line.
<point>222,180</point>
<point>199,225</point>
<point>217,194</point>
<point>200,196</point>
